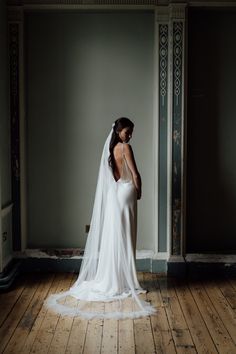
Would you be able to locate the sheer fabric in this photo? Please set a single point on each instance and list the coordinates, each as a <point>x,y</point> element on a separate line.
<point>108,273</point>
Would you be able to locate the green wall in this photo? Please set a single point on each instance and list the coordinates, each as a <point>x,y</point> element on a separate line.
<point>84,70</point>
<point>211,199</point>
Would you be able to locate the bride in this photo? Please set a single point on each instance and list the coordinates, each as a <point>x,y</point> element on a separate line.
<point>108,272</point>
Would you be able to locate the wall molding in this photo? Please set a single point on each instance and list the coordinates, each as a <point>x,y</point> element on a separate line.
<point>70,260</point>
<point>15,14</point>
<point>161,81</point>
<point>161,255</point>
<point>210,258</point>
<point>14,63</point>
<point>177,11</point>
<point>168,21</point>
<point>189,266</point>
<point>162,14</point>
<point>155,142</point>
<point>202,3</point>
<point>81,2</point>
<point>70,3</point>
<point>178,123</point>
<point>6,210</point>
<point>77,253</point>
<point>168,83</point>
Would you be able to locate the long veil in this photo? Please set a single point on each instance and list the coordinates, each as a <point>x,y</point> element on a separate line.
<point>136,307</point>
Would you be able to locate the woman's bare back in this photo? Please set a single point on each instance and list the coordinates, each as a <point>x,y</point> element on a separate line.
<point>129,157</point>
<point>118,160</point>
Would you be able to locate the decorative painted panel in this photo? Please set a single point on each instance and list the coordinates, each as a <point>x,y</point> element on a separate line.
<point>15,136</point>
<point>176,137</point>
<point>163,87</point>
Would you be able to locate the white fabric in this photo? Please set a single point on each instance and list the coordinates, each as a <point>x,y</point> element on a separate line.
<point>108,271</point>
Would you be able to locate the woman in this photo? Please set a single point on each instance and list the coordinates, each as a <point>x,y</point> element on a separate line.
<point>124,169</point>
<point>108,272</point>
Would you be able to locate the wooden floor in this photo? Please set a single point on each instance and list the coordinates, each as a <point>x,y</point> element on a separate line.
<point>193,317</point>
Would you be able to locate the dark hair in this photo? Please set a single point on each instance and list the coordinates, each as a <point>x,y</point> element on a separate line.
<point>119,124</point>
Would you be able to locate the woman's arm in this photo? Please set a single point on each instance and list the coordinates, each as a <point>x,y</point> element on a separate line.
<point>129,155</point>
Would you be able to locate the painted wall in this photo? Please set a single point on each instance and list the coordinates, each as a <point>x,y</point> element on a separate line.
<point>211,200</point>
<point>84,70</point>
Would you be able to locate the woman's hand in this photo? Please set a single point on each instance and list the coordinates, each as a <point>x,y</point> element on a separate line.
<point>138,194</point>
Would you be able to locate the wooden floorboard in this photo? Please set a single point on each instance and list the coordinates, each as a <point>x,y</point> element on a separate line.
<point>77,335</point>
<point>196,324</point>
<point>162,335</point>
<point>48,327</point>
<point>215,325</point>
<point>126,343</point>
<point>144,341</point>
<point>197,316</point>
<point>222,307</point>
<point>29,342</point>
<point>24,327</point>
<point>180,331</point>
<point>109,343</point>
<point>62,330</point>
<point>13,319</point>
<point>10,297</point>
<point>229,292</point>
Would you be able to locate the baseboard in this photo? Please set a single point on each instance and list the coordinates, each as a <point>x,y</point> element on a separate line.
<point>204,265</point>
<point>9,274</point>
<point>32,264</point>
<point>188,266</point>
<point>69,260</point>
<point>176,266</point>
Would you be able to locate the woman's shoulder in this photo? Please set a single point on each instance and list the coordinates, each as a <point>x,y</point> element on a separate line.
<point>127,147</point>
<point>119,145</point>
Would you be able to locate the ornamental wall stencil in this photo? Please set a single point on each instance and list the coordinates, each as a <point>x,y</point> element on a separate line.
<point>176,226</point>
<point>163,60</point>
<point>177,137</point>
<point>14,96</point>
<point>177,61</point>
<point>15,131</point>
<point>163,30</point>
<point>177,58</point>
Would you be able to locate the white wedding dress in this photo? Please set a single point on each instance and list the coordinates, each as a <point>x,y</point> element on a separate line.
<point>108,271</point>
